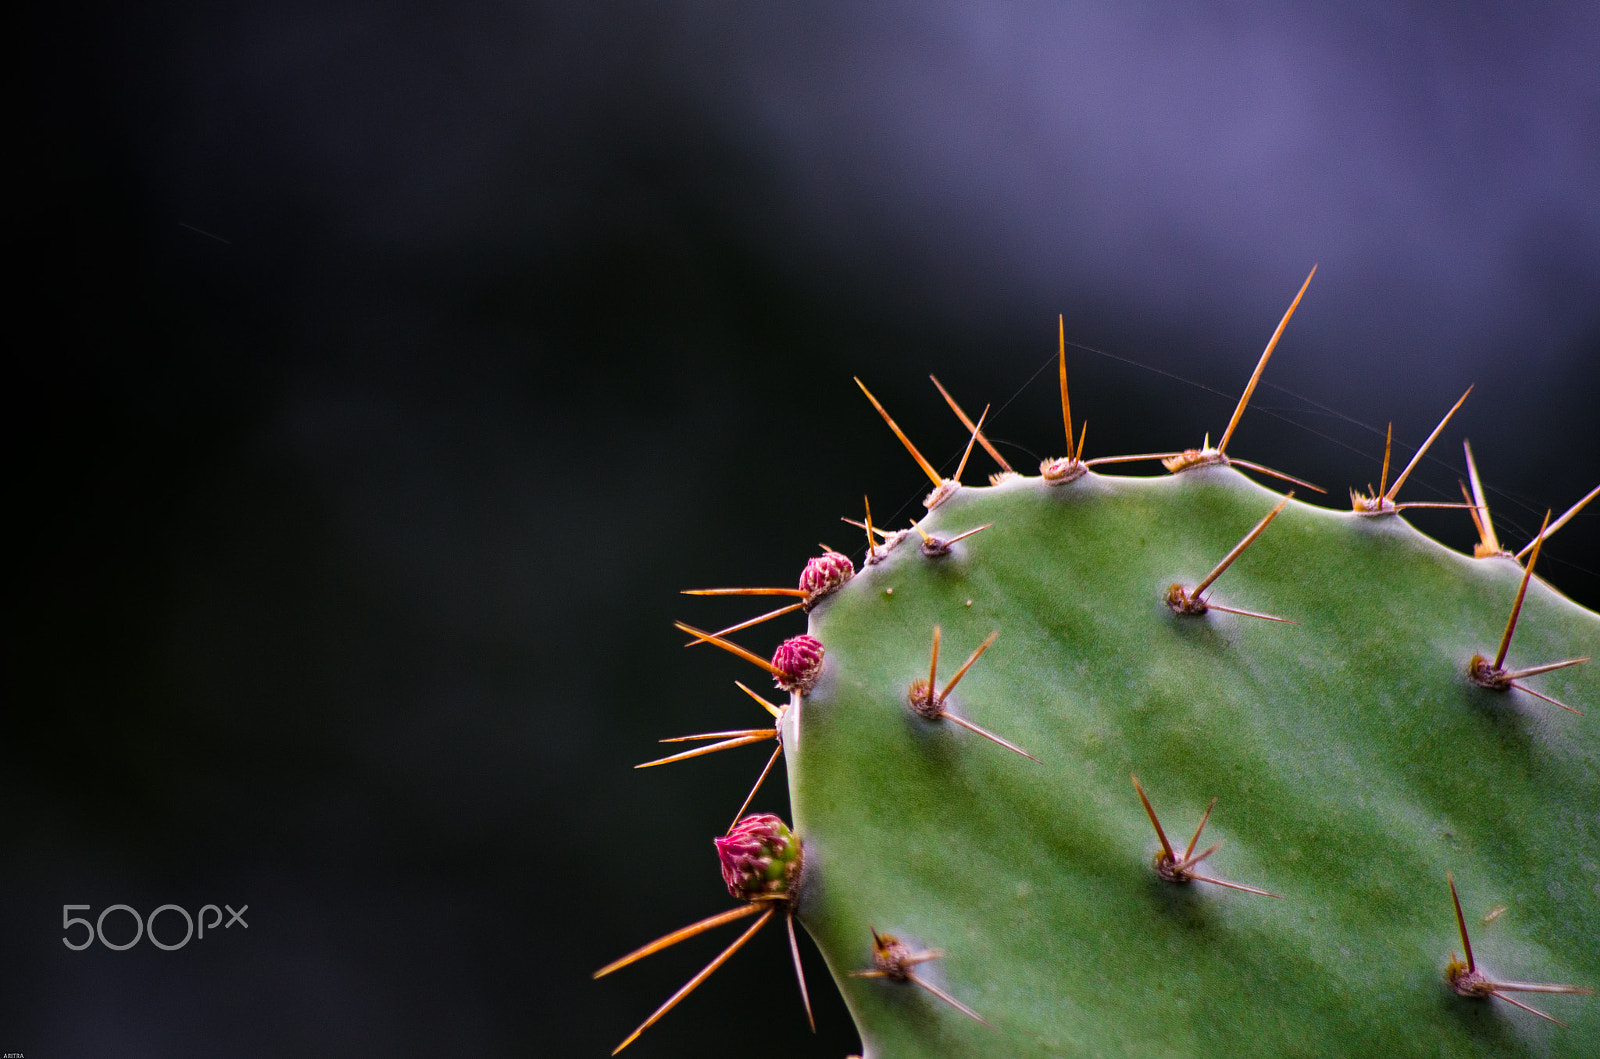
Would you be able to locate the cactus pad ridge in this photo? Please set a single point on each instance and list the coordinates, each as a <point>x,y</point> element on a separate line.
<point>1466,980</point>
<point>893,959</point>
<point>1182,461</point>
<point>1205,456</point>
<point>967,422</point>
<point>1175,869</point>
<point>1189,602</point>
<point>1139,457</point>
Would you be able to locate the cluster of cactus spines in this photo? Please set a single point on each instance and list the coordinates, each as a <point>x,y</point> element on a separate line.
<point>894,960</point>
<point>851,745</point>
<point>1068,468</point>
<point>976,428</point>
<point>1175,869</point>
<point>1492,675</point>
<point>1488,543</point>
<point>938,547</point>
<point>1192,602</point>
<point>727,740</point>
<point>1465,978</point>
<point>930,705</point>
<point>1477,506</point>
<point>943,488</point>
<point>1381,501</point>
<point>1205,455</point>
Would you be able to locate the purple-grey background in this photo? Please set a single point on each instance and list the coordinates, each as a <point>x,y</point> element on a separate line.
<point>395,365</point>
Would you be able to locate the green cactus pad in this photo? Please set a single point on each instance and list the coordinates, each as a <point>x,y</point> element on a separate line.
<point>1352,759</point>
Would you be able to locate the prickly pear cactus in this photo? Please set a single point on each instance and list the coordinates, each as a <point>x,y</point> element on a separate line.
<point>1353,760</point>
<point>996,859</point>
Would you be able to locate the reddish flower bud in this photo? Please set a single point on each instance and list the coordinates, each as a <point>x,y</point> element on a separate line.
<point>823,574</point>
<point>760,858</point>
<point>798,661</point>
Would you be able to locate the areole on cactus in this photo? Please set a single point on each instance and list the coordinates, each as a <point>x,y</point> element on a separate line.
<point>1392,723</point>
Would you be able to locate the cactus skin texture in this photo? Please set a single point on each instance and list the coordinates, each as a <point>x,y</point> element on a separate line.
<point>1353,759</point>
<point>1357,779</point>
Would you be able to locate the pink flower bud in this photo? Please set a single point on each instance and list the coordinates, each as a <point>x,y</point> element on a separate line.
<point>798,661</point>
<point>823,574</point>
<point>760,858</point>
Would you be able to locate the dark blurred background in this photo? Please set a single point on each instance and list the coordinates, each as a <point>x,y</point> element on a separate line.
<point>396,365</point>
